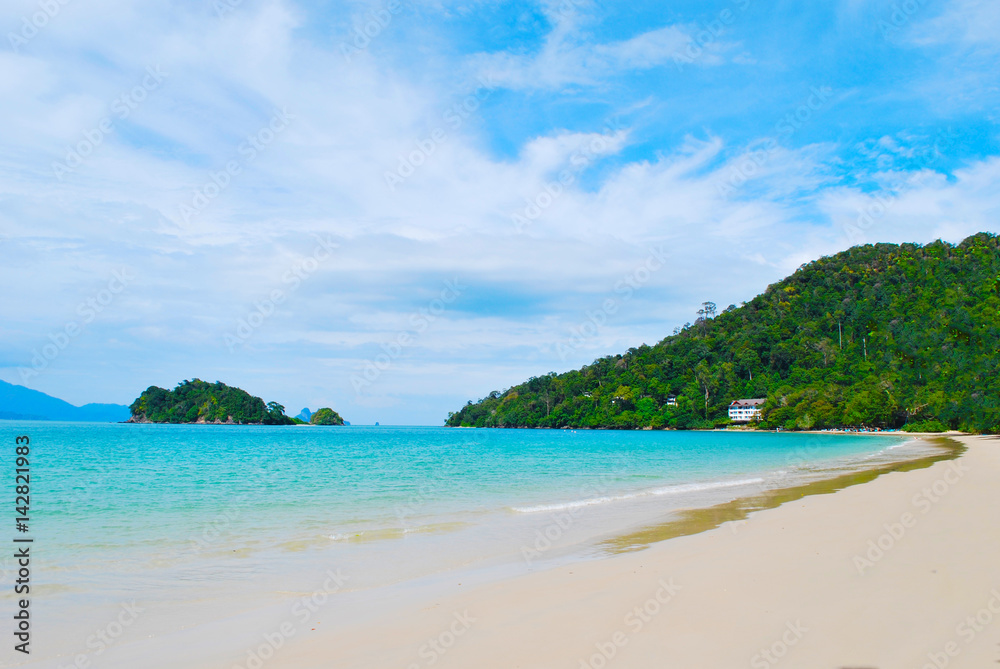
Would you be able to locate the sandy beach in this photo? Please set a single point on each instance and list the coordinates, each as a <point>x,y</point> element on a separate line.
<point>897,572</point>
<point>894,570</point>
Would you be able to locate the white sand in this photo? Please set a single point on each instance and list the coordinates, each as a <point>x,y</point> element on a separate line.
<point>786,588</point>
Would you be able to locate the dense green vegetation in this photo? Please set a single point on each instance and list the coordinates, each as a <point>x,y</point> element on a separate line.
<point>326,416</point>
<point>198,401</point>
<point>878,336</point>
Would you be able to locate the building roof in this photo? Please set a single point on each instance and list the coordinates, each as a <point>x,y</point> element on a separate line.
<point>748,403</point>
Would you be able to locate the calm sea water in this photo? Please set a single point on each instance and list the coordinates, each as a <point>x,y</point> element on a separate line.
<point>197,521</point>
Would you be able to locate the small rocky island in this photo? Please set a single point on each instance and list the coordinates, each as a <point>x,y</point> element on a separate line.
<point>198,401</point>
<point>326,416</point>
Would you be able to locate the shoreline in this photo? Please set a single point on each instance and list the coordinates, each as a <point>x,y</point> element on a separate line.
<point>376,613</point>
<point>697,520</point>
<point>801,578</point>
<point>732,429</point>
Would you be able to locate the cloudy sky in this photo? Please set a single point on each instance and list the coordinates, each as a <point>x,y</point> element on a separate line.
<point>392,207</point>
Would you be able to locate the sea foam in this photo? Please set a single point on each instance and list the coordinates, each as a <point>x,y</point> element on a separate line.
<point>655,492</point>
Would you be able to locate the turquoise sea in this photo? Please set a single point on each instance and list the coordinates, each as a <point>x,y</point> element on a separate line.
<point>196,523</point>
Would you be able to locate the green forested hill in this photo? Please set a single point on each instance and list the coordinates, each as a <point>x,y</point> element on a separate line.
<point>326,416</point>
<point>881,335</point>
<point>198,401</point>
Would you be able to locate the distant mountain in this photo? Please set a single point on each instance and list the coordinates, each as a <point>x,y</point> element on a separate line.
<point>20,403</point>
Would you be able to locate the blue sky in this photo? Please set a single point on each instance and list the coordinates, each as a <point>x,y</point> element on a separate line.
<point>470,194</point>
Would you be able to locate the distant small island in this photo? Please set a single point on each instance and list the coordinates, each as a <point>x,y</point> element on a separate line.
<point>198,401</point>
<point>326,416</point>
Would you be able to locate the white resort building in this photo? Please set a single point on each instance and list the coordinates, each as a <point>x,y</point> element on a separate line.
<point>744,411</point>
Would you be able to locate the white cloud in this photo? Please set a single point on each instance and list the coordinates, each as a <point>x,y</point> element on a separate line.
<point>918,205</point>
<point>325,175</point>
<point>975,23</point>
<point>567,57</point>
